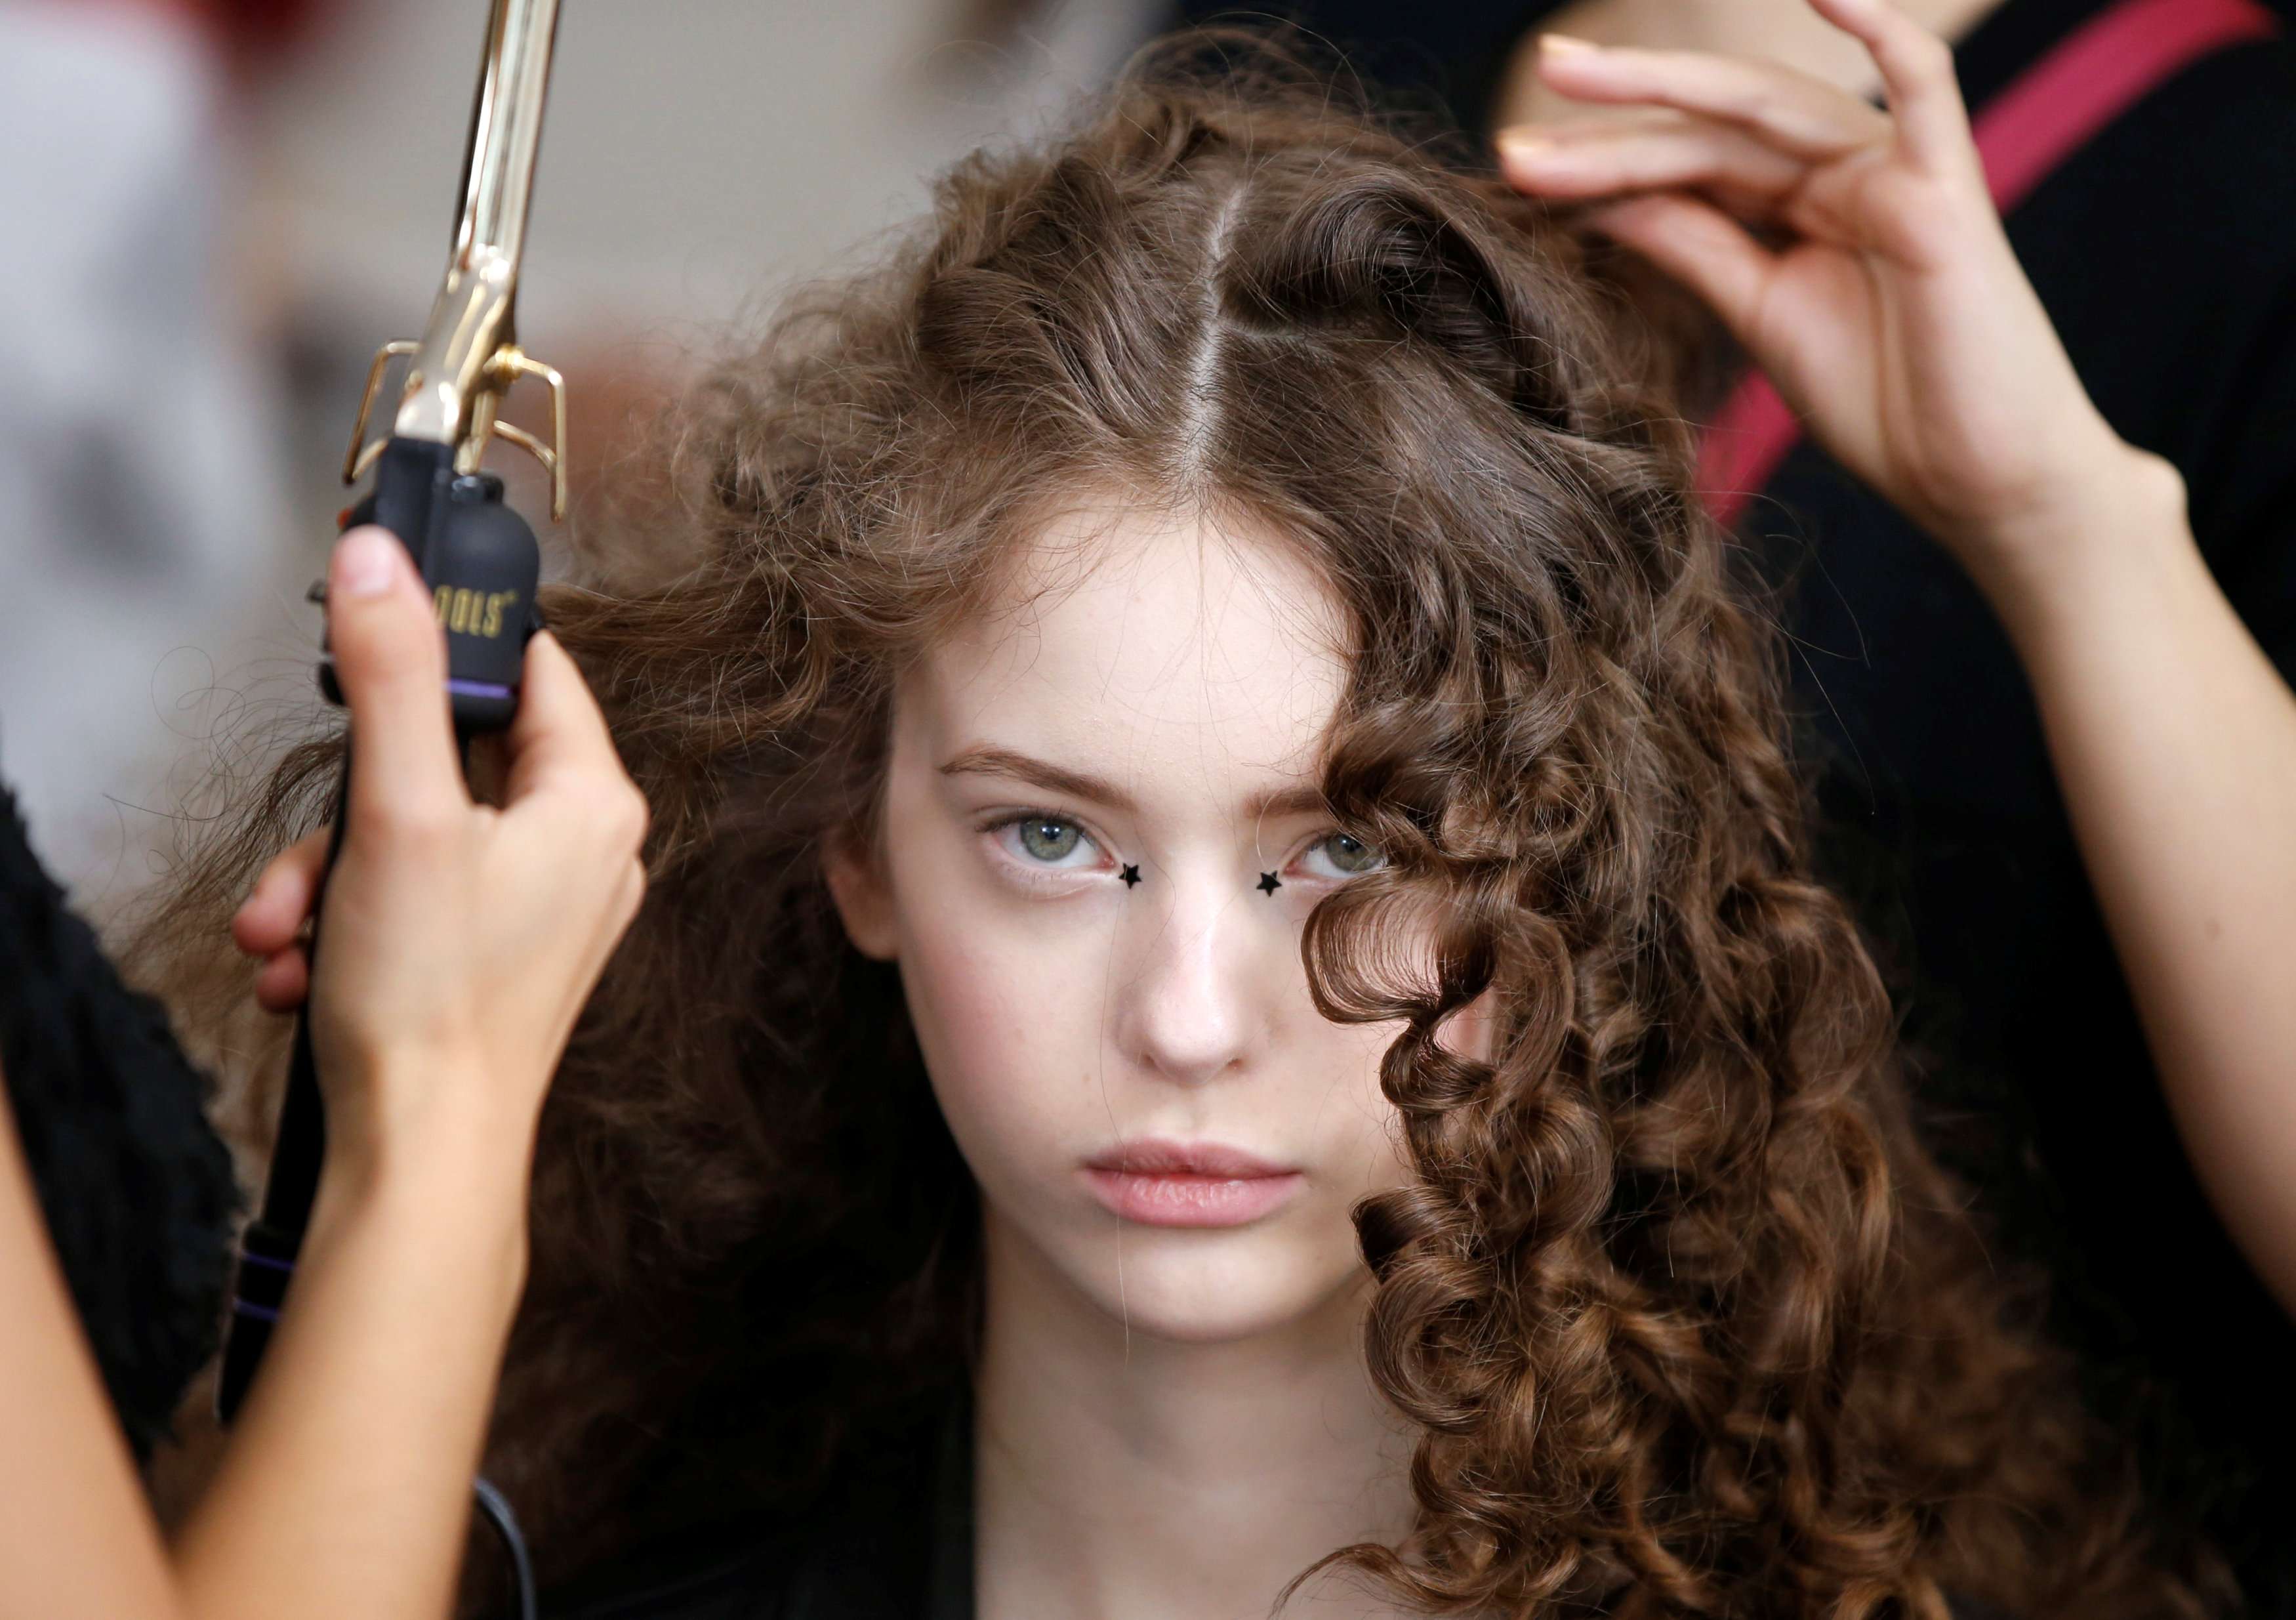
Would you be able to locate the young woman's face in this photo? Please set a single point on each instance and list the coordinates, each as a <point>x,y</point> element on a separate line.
<point>1100,838</point>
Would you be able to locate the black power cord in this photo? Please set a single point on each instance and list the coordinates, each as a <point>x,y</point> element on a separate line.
<point>495,1506</point>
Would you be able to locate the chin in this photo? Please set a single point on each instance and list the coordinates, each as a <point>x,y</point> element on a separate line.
<point>1199,1287</point>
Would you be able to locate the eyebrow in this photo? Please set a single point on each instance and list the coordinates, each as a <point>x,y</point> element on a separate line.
<point>1299,799</point>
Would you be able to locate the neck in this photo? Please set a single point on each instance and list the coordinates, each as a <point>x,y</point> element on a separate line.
<point>1122,1477</point>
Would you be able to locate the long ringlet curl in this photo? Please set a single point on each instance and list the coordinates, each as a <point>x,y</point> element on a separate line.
<point>1689,1320</point>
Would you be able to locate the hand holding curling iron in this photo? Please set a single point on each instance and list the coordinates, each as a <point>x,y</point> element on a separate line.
<point>462,938</point>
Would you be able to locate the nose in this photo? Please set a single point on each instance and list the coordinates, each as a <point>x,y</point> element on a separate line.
<point>1195,1002</point>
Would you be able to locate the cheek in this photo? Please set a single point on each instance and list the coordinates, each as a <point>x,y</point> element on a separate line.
<point>1007,1014</point>
<point>1373,1131</point>
<point>1472,1033</point>
<point>1363,1131</point>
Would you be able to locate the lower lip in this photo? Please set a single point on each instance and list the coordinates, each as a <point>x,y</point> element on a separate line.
<point>1171,1199</point>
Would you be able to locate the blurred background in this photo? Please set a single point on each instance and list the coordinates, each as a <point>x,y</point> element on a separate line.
<point>211,212</point>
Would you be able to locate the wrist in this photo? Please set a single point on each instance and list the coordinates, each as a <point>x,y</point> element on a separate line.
<point>444,1140</point>
<point>397,1108</point>
<point>458,1215</point>
<point>2109,541</point>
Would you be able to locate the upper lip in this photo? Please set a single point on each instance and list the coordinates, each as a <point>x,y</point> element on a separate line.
<point>1156,1157</point>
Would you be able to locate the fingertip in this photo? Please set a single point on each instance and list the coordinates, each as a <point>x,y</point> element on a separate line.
<point>284,983</point>
<point>280,899</point>
<point>543,679</point>
<point>255,927</point>
<point>545,652</point>
<point>547,662</point>
<point>1863,18</point>
<point>380,624</point>
<point>1910,54</point>
<point>556,696</point>
<point>367,561</point>
<point>1522,143</point>
<point>265,932</point>
<point>376,604</point>
<point>1559,55</point>
<point>390,661</point>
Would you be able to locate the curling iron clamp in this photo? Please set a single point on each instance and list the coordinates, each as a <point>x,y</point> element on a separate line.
<point>477,556</point>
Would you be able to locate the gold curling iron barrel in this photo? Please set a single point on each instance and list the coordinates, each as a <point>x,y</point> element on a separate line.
<point>477,554</point>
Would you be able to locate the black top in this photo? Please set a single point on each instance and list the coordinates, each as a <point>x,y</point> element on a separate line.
<point>907,1556</point>
<point>135,1184</point>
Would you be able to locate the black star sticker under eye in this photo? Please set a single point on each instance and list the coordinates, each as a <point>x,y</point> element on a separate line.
<point>1131,877</point>
<point>1269,882</point>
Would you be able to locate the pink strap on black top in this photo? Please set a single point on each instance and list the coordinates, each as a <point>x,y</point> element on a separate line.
<point>2043,117</point>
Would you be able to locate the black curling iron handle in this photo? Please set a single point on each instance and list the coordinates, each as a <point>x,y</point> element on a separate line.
<point>482,565</point>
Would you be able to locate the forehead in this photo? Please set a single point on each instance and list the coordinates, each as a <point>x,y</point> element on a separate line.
<point>1146,645</point>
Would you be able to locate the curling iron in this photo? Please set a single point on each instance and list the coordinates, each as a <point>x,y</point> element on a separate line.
<point>477,556</point>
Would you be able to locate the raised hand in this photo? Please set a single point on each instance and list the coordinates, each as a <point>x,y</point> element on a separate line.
<point>1857,254</point>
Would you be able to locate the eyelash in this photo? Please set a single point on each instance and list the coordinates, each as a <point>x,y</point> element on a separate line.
<point>1331,835</point>
<point>1037,871</point>
<point>1034,870</point>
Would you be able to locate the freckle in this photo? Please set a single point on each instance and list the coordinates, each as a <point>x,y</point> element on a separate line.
<point>2213,928</point>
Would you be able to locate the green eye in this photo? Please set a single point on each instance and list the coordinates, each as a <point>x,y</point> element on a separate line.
<point>1340,855</point>
<point>1042,842</point>
<point>1048,840</point>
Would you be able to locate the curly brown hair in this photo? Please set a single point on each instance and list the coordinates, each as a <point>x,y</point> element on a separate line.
<point>1689,1319</point>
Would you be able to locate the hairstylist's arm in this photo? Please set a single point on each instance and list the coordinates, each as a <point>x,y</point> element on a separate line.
<point>77,1539</point>
<point>459,943</point>
<point>1897,323</point>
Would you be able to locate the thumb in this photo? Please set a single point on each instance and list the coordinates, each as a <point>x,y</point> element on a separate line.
<point>390,661</point>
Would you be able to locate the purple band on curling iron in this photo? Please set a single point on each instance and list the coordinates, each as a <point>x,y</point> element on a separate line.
<point>261,1313</point>
<point>477,688</point>
<point>248,1257</point>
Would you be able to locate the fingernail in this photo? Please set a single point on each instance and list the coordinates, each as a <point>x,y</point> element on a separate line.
<point>364,563</point>
<point>1524,143</point>
<point>1566,45</point>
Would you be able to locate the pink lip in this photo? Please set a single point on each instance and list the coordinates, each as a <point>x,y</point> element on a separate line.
<point>1162,1183</point>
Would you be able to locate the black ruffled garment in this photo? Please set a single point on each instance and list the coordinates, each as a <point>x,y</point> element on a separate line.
<point>136,1185</point>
